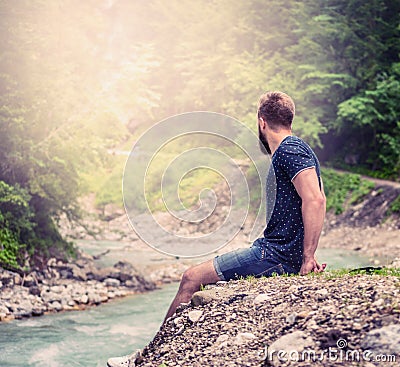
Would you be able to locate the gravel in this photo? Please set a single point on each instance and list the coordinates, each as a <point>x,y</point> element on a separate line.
<point>345,315</point>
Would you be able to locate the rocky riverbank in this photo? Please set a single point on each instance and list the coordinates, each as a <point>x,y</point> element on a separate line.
<point>319,320</point>
<point>67,286</point>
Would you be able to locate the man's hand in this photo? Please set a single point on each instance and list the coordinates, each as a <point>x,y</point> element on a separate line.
<point>311,265</point>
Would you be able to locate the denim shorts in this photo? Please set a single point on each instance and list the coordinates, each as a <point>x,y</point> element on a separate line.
<point>255,261</point>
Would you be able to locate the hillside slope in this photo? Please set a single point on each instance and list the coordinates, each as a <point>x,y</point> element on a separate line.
<point>347,320</point>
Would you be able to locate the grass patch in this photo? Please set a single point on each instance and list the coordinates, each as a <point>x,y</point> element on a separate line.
<point>106,182</point>
<point>394,206</point>
<point>339,273</point>
<point>344,189</point>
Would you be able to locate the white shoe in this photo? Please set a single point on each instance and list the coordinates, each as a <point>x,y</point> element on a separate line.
<point>125,361</point>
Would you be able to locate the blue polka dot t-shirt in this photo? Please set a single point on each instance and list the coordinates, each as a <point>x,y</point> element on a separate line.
<point>284,233</point>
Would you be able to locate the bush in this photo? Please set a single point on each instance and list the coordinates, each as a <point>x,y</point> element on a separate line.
<point>344,188</point>
<point>28,236</point>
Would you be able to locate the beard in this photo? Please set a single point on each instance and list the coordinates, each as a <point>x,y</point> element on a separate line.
<point>264,146</point>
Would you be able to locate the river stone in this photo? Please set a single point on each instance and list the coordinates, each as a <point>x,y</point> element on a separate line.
<point>50,296</point>
<point>178,321</point>
<point>7,278</point>
<point>294,342</point>
<point>293,288</point>
<point>261,299</point>
<point>99,274</point>
<point>195,315</point>
<point>378,303</point>
<point>55,306</point>
<point>57,289</point>
<point>322,294</point>
<point>29,281</point>
<point>291,319</point>
<point>215,294</point>
<point>132,283</point>
<point>222,339</point>
<point>94,298</point>
<point>34,290</point>
<point>84,299</point>
<point>4,309</point>
<point>24,309</point>
<point>17,279</point>
<point>78,273</point>
<point>125,266</point>
<point>38,310</point>
<point>111,282</point>
<point>243,338</point>
<point>385,340</point>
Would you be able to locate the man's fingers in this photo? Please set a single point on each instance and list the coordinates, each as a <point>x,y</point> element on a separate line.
<point>316,268</point>
<point>319,268</point>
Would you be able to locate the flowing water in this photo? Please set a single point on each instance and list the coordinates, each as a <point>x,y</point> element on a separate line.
<point>88,338</point>
<point>85,338</point>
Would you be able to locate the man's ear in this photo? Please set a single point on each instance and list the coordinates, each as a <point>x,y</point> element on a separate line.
<point>262,123</point>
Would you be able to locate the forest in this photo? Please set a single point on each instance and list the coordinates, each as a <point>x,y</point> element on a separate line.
<point>81,79</point>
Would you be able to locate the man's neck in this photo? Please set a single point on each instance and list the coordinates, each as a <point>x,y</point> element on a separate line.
<point>276,138</point>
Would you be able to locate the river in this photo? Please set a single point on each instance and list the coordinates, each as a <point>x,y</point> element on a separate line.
<point>88,338</point>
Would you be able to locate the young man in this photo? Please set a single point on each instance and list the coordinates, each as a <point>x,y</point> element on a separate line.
<point>292,233</point>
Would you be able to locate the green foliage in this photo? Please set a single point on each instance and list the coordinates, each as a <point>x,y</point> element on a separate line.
<point>15,225</point>
<point>342,189</point>
<point>10,249</point>
<point>374,114</point>
<point>26,236</point>
<point>251,278</point>
<point>395,206</point>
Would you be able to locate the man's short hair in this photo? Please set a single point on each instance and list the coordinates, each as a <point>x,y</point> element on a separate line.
<point>276,109</point>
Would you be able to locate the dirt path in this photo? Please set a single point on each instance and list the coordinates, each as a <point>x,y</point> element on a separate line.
<point>377,181</point>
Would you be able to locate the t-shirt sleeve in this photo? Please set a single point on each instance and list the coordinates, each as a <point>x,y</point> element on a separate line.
<point>294,158</point>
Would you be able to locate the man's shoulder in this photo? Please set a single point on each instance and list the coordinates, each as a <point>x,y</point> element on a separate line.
<point>294,141</point>
<point>292,145</point>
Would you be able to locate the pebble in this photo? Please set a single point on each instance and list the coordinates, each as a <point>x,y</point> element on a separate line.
<point>261,299</point>
<point>243,338</point>
<point>288,345</point>
<point>291,319</point>
<point>216,294</point>
<point>322,294</point>
<point>178,321</point>
<point>195,315</point>
<point>111,282</point>
<point>222,338</point>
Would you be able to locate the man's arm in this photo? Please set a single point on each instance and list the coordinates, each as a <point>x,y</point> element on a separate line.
<point>313,211</point>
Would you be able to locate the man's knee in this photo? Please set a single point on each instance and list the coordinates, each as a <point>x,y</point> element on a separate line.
<point>196,275</point>
<point>190,276</point>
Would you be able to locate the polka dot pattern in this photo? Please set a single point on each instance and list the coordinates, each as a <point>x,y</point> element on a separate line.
<point>284,233</point>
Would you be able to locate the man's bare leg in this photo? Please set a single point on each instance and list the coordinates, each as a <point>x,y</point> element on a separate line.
<point>192,278</point>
